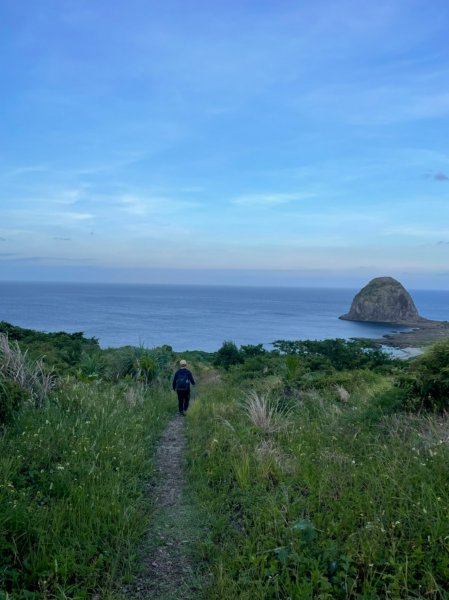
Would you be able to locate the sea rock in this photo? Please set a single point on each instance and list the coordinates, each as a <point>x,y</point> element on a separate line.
<point>384,300</point>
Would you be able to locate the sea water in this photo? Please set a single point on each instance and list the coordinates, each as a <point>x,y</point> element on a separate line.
<point>195,317</point>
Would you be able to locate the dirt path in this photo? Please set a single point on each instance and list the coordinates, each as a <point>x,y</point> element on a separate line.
<point>167,572</point>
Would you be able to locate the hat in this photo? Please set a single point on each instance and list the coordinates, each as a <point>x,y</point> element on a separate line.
<point>182,363</point>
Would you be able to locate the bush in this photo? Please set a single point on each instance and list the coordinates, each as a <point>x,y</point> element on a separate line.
<point>146,368</point>
<point>427,382</point>
<point>252,351</point>
<point>17,367</point>
<point>12,396</point>
<point>59,350</point>
<point>339,354</point>
<point>228,355</point>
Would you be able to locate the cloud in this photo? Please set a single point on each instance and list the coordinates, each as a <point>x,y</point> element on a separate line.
<point>25,170</point>
<point>374,103</point>
<point>56,259</point>
<point>416,231</point>
<point>440,177</point>
<point>155,205</point>
<point>443,243</point>
<point>62,239</point>
<point>271,199</point>
<point>133,205</point>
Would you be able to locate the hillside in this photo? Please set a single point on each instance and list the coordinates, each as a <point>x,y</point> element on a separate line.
<point>317,470</point>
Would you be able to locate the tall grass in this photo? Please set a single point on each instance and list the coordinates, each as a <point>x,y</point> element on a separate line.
<point>72,477</point>
<point>335,506</point>
<point>29,374</point>
<point>263,412</point>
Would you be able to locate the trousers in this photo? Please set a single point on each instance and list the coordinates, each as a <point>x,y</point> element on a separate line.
<point>183,400</point>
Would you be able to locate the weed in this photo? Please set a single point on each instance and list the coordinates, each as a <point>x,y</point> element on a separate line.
<point>262,412</point>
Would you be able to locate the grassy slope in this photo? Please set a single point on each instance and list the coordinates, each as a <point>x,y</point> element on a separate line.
<point>324,497</point>
<point>335,501</point>
<point>71,482</point>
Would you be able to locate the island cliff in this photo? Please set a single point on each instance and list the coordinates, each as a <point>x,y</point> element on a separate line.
<point>384,300</point>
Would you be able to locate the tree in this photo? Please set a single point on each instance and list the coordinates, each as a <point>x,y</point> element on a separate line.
<point>228,355</point>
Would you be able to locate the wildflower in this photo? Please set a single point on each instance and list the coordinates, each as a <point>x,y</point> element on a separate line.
<point>60,468</point>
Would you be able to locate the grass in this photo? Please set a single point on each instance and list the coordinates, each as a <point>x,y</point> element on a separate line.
<point>305,480</point>
<point>72,476</point>
<point>333,504</point>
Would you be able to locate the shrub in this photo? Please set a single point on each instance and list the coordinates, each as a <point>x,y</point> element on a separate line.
<point>120,362</point>
<point>59,350</point>
<point>339,354</point>
<point>146,368</point>
<point>92,365</point>
<point>252,351</point>
<point>17,367</point>
<point>228,355</point>
<point>12,396</point>
<point>427,382</point>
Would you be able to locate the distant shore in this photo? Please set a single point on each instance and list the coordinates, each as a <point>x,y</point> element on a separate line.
<point>421,335</point>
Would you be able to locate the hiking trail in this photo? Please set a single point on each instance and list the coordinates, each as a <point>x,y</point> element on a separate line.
<point>167,572</point>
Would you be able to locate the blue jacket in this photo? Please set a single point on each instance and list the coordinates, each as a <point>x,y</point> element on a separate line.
<point>189,377</point>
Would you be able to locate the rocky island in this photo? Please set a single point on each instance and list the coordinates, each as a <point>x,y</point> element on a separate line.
<point>385,300</point>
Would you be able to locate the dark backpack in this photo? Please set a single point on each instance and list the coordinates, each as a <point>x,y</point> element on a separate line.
<point>182,380</point>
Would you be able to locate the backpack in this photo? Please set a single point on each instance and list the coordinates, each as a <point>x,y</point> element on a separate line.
<point>182,380</point>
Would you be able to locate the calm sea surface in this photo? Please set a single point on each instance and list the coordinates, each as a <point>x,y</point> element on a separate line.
<point>194,317</point>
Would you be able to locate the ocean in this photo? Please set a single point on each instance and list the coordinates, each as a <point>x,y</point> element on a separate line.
<point>195,317</point>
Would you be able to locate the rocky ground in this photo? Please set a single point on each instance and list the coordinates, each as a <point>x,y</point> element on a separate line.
<point>421,335</point>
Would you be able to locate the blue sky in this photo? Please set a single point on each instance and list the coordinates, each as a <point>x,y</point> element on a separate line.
<point>294,143</point>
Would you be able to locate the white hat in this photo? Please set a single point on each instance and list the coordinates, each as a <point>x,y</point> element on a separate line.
<point>182,363</point>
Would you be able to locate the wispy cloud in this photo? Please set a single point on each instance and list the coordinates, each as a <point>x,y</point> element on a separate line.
<point>20,171</point>
<point>417,231</point>
<point>43,216</point>
<point>275,199</point>
<point>441,177</point>
<point>51,259</point>
<point>374,105</point>
<point>149,204</point>
<point>134,205</point>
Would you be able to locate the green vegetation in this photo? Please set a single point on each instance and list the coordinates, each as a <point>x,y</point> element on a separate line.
<point>74,461</point>
<point>321,492</point>
<point>427,381</point>
<point>317,469</point>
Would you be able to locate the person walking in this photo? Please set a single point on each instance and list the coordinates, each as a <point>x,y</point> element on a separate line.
<point>181,384</point>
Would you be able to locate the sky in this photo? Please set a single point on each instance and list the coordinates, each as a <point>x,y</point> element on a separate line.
<point>282,142</point>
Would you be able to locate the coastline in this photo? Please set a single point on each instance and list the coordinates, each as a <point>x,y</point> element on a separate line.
<point>420,336</point>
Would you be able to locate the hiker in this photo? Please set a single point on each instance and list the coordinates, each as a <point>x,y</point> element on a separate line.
<point>181,384</point>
